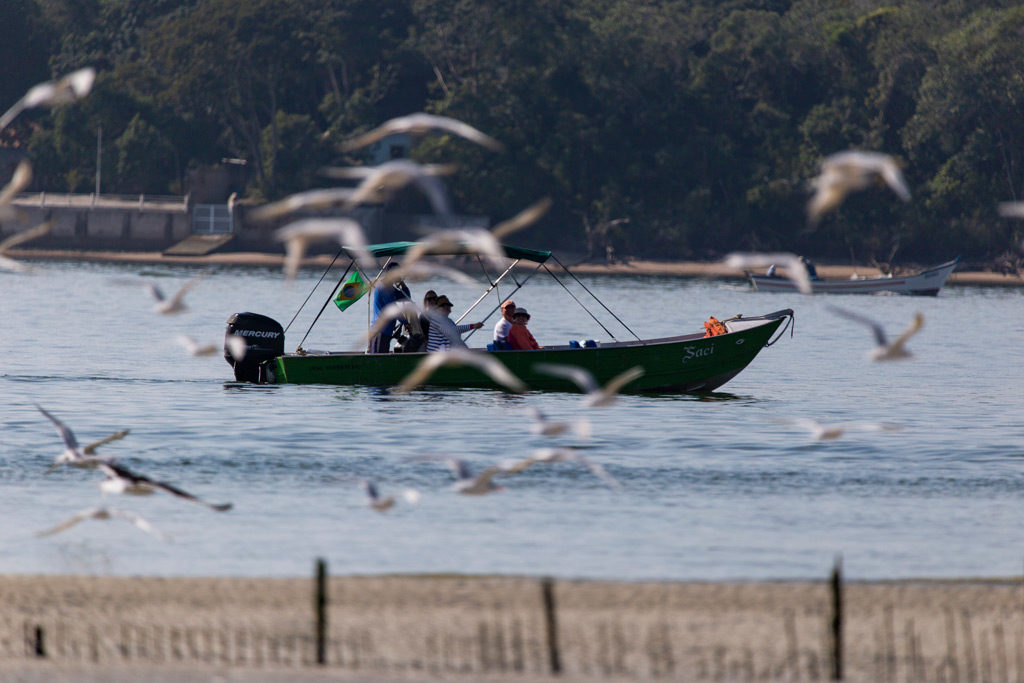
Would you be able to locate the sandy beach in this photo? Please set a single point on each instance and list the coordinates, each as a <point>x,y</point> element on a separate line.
<point>637,267</point>
<point>497,628</point>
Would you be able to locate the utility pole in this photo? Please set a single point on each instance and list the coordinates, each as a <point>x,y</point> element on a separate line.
<point>99,146</point>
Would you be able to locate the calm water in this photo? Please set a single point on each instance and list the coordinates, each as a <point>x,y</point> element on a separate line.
<point>716,487</point>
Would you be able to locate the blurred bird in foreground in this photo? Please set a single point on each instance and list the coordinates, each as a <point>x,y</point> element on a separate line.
<point>20,179</point>
<point>796,271</point>
<point>421,124</point>
<point>104,513</point>
<point>75,455</point>
<point>829,432</point>
<point>71,87</point>
<point>20,238</point>
<point>380,183</point>
<point>164,306</point>
<point>597,396</point>
<point>346,232</point>
<point>385,503</point>
<point>315,200</point>
<point>547,455</point>
<point>466,482</point>
<point>484,362</point>
<point>846,172</point>
<point>542,426</point>
<point>895,350</point>
<point>122,480</point>
<point>234,344</point>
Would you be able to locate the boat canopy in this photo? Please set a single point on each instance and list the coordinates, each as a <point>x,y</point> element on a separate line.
<point>399,248</point>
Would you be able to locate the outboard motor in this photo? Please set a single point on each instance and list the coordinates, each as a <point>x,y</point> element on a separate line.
<point>264,340</point>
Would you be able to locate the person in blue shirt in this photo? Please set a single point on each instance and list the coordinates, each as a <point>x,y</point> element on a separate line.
<point>383,296</point>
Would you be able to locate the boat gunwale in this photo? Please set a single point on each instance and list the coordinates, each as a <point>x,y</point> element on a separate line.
<point>658,341</point>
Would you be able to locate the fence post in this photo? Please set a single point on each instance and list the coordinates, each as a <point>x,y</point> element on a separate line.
<point>547,586</point>
<point>837,619</point>
<point>320,610</point>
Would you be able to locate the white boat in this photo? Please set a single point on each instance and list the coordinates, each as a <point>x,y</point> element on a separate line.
<point>924,283</point>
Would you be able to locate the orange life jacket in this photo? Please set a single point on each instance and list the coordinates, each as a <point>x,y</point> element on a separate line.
<point>713,327</point>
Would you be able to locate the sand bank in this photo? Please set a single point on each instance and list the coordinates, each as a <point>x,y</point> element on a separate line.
<point>673,268</point>
<point>423,627</point>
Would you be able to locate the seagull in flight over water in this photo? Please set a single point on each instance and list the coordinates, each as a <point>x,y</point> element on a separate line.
<point>104,513</point>
<point>121,480</point>
<point>846,172</point>
<point>829,432</point>
<point>796,271</point>
<point>73,454</point>
<point>597,396</point>
<point>385,503</point>
<point>542,426</point>
<point>163,305</point>
<point>545,455</point>
<point>466,482</point>
<point>421,124</point>
<point>886,350</point>
<point>71,87</point>
<point>484,362</point>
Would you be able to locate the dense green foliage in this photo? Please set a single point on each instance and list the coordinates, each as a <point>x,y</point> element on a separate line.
<point>699,121</point>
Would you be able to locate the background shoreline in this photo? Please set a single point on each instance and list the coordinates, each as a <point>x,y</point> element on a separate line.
<point>711,270</point>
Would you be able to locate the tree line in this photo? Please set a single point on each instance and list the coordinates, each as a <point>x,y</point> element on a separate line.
<point>675,128</point>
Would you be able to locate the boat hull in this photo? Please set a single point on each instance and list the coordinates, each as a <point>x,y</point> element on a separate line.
<point>685,364</point>
<point>925,283</point>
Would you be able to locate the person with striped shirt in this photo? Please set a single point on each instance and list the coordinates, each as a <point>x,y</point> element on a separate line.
<point>443,332</point>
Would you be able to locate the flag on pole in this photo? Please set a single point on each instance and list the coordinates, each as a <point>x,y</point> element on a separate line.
<point>351,291</point>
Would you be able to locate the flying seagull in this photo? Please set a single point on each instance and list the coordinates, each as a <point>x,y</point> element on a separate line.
<point>828,432</point>
<point>542,426</point>
<point>121,480</point>
<point>484,362</point>
<point>163,305</point>
<point>466,482</point>
<point>20,179</point>
<point>523,219</point>
<point>795,268</point>
<point>315,200</point>
<point>20,238</point>
<point>73,454</point>
<point>104,513</point>
<point>385,503</point>
<point>850,171</point>
<point>597,395</point>
<point>421,124</point>
<point>71,87</point>
<point>546,455</point>
<point>458,241</point>
<point>885,350</point>
<point>346,232</point>
<point>379,183</point>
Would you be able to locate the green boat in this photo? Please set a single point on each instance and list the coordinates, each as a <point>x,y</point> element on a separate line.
<point>682,364</point>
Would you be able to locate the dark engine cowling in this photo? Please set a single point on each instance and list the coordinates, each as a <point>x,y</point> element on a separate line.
<point>264,340</point>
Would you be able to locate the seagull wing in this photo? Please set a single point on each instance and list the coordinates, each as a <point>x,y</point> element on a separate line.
<point>579,376</point>
<point>138,521</point>
<point>879,333</point>
<point>795,269</point>
<point>66,435</point>
<point>915,325</point>
<point>494,369</point>
<point>893,177</point>
<point>26,235</point>
<point>619,381</point>
<point>91,448</point>
<point>68,523</point>
<point>523,219</point>
<point>180,294</point>
<point>467,131</point>
<point>19,181</point>
<point>419,375</point>
<point>403,308</point>
<point>124,472</point>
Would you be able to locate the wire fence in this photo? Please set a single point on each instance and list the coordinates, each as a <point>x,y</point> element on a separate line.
<point>948,631</point>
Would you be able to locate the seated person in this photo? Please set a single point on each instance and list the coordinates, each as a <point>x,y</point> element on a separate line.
<point>519,338</point>
<point>443,332</point>
<point>503,325</point>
